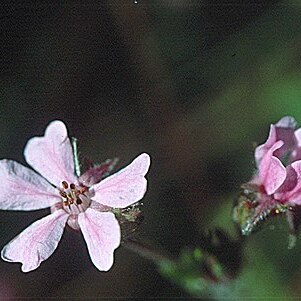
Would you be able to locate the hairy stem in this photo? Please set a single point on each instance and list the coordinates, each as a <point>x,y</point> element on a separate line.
<point>147,251</point>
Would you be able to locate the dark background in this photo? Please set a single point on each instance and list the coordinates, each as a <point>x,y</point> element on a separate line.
<point>192,83</point>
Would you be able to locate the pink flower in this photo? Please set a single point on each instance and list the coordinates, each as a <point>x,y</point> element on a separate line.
<point>283,130</point>
<point>82,202</point>
<point>277,160</point>
<point>276,186</point>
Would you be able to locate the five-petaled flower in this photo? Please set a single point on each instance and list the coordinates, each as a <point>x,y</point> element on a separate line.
<point>276,186</point>
<point>81,202</point>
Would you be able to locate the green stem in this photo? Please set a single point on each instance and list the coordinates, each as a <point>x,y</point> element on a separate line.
<point>147,251</point>
<point>76,157</point>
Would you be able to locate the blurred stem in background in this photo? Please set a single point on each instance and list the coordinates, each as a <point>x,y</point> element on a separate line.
<point>214,269</point>
<point>251,78</point>
<point>205,271</point>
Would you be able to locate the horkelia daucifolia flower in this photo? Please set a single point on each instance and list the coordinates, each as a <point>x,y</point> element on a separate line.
<point>276,186</point>
<point>85,202</point>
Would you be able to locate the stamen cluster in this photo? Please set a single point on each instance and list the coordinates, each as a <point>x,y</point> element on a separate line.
<point>72,194</point>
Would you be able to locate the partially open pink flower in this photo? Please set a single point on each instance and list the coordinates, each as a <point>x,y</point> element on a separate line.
<point>276,186</point>
<point>277,164</point>
<point>83,202</point>
<point>284,130</point>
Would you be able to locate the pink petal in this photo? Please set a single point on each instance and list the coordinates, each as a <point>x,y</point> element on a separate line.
<point>23,189</point>
<point>125,187</point>
<point>293,196</point>
<point>271,171</point>
<point>298,136</point>
<point>290,181</point>
<point>262,149</point>
<point>51,155</point>
<point>37,242</point>
<point>296,154</point>
<point>102,235</point>
<point>282,130</point>
<point>287,122</point>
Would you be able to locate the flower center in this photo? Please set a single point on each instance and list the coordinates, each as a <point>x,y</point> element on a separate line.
<point>75,198</point>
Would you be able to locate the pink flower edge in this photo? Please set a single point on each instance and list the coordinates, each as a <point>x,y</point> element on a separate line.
<point>126,186</point>
<point>101,231</point>
<point>283,130</point>
<point>37,242</point>
<point>51,155</point>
